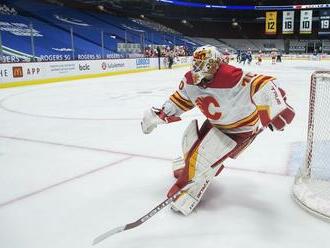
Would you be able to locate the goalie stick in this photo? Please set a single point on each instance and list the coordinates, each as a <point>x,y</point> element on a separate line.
<point>138,222</point>
<point>160,206</point>
<point>154,211</point>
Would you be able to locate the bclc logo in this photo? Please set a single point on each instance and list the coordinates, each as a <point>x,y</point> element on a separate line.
<point>84,67</point>
<point>17,71</point>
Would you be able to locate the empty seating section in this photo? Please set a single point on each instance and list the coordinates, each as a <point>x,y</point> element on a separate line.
<point>55,25</point>
<point>268,45</point>
<point>84,26</point>
<point>297,46</point>
<point>151,33</point>
<point>326,46</point>
<point>240,44</point>
<point>214,42</point>
<point>69,33</point>
<point>5,10</point>
<point>255,44</point>
<point>155,26</point>
<point>47,40</point>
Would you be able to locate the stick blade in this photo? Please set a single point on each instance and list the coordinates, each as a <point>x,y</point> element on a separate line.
<point>107,234</point>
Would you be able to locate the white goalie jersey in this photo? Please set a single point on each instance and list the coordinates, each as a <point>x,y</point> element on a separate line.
<point>227,101</point>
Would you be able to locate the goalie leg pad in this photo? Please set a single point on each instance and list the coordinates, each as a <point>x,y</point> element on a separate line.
<point>191,135</point>
<point>202,162</point>
<point>178,166</point>
<point>189,138</point>
<point>189,199</point>
<point>207,151</point>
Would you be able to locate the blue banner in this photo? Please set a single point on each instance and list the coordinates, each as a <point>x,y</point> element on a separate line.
<point>243,7</point>
<point>324,28</point>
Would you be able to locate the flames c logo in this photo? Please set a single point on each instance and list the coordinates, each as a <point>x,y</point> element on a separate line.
<point>209,107</point>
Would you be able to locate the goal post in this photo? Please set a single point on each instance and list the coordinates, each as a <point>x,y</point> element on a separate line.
<point>311,188</point>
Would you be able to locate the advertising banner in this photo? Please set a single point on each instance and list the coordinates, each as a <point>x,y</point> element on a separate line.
<point>18,72</point>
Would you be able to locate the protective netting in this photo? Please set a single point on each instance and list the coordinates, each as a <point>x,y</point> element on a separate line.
<point>312,184</point>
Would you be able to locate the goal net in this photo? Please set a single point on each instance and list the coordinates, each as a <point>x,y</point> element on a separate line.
<point>311,188</point>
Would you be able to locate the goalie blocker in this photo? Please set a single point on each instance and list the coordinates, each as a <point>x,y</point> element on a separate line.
<point>272,107</point>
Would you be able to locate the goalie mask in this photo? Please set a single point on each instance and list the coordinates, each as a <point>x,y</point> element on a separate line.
<point>206,62</point>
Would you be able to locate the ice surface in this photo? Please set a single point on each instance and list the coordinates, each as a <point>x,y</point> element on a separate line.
<point>74,163</point>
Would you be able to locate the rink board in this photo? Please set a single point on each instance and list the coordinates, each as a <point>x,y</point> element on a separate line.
<point>19,74</point>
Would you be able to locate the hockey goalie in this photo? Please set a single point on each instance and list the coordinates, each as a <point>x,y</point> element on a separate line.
<point>236,105</point>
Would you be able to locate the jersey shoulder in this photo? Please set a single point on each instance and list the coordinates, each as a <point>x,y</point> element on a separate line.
<point>227,76</point>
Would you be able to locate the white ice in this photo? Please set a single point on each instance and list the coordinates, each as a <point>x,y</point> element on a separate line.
<point>74,164</point>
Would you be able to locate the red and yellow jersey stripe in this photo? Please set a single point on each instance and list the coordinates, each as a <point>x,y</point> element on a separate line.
<point>259,82</point>
<point>250,120</point>
<point>181,102</point>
